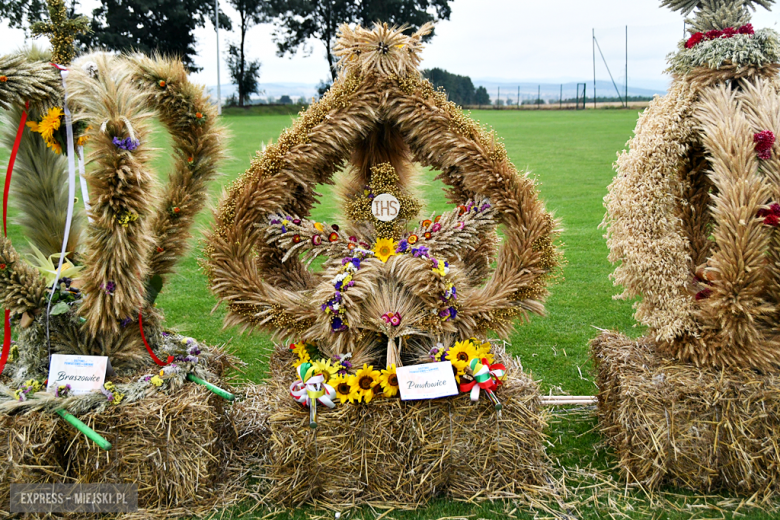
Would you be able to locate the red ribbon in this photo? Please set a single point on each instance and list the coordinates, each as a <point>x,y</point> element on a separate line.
<point>7,321</point>
<point>148,348</point>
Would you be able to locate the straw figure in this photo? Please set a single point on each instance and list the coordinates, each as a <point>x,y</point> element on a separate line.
<point>692,224</point>
<point>111,249</point>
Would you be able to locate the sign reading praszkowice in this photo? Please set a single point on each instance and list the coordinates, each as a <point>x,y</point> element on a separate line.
<point>426,381</point>
<point>84,374</point>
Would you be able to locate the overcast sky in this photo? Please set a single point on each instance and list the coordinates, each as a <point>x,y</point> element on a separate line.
<point>496,39</point>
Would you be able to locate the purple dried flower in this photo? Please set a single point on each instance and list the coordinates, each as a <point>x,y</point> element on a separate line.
<point>421,251</point>
<point>128,143</point>
<point>403,245</point>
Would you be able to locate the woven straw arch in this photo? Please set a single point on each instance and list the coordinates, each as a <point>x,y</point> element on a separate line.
<point>370,99</point>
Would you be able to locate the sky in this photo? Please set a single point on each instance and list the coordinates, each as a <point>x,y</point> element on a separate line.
<point>510,40</point>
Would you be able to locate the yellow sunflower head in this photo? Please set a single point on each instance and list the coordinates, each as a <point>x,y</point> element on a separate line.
<point>366,380</point>
<point>389,382</point>
<point>50,123</point>
<point>384,249</point>
<point>326,368</point>
<point>344,389</point>
<point>461,353</point>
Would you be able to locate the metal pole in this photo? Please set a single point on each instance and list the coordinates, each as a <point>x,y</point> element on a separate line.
<point>216,29</point>
<point>626,66</point>
<point>594,67</point>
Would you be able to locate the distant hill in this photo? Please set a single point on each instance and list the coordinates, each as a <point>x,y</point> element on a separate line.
<point>528,89</point>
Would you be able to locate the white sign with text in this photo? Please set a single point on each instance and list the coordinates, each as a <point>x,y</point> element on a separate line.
<point>84,374</point>
<point>385,207</point>
<point>426,381</point>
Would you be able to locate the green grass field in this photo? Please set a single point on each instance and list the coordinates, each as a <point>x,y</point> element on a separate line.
<point>571,154</point>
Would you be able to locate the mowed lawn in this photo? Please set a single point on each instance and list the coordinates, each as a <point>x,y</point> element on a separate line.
<point>571,155</point>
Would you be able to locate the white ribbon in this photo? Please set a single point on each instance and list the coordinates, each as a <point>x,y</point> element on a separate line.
<point>71,196</point>
<point>315,384</point>
<point>83,181</point>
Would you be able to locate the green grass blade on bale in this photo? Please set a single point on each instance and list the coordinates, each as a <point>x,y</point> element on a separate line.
<point>86,430</point>
<point>215,389</point>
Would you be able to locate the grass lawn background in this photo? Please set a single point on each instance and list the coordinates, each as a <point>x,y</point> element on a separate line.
<point>570,154</point>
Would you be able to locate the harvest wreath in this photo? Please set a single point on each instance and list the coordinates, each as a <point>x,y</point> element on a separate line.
<point>691,223</point>
<point>390,293</point>
<point>90,287</point>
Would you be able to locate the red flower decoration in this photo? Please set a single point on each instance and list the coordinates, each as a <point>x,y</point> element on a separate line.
<point>335,227</point>
<point>713,34</point>
<point>296,239</point>
<point>177,209</point>
<point>704,293</point>
<point>3,79</point>
<point>316,240</point>
<point>746,29</point>
<point>764,141</point>
<point>198,115</point>
<point>412,239</point>
<point>426,223</point>
<point>160,249</point>
<point>427,235</point>
<point>771,215</point>
<point>728,32</point>
<point>333,237</point>
<point>438,218</point>
<point>161,83</point>
<point>690,44</point>
<point>2,267</point>
<point>463,209</point>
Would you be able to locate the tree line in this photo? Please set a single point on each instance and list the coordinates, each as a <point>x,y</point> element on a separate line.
<point>167,26</point>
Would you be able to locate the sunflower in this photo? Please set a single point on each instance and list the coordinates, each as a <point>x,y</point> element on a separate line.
<point>343,387</point>
<point>50,123</point>
<point>385,248</point>
<point>326,368</point>
<point>461,353</point>
<point>364,382</point>
<point>389,381</point>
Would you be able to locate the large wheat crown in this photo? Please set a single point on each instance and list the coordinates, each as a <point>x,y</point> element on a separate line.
<point>394,286</point>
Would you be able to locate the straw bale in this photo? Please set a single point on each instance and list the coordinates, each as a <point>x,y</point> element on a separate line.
<point>394,453</point>
<point>30,452</point>
<point>671,423</point>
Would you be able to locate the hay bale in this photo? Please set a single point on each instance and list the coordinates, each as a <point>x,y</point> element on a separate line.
<point>30,452</point>
<point>167,444</point>
<point>395,453</point>
<point>671,423</point>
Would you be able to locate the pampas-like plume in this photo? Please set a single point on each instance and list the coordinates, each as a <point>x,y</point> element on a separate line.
<point>39,190</point>
<point>121,189</point>
<point>36,82</point>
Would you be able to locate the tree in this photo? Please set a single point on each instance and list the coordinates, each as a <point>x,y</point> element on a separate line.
<point>164,26</point>
<point>481,96</point>
<point>460,89</point>
<point>21,14</point>
<point>299,20</point>
<point>244,74</point>
<point>285,100</point>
